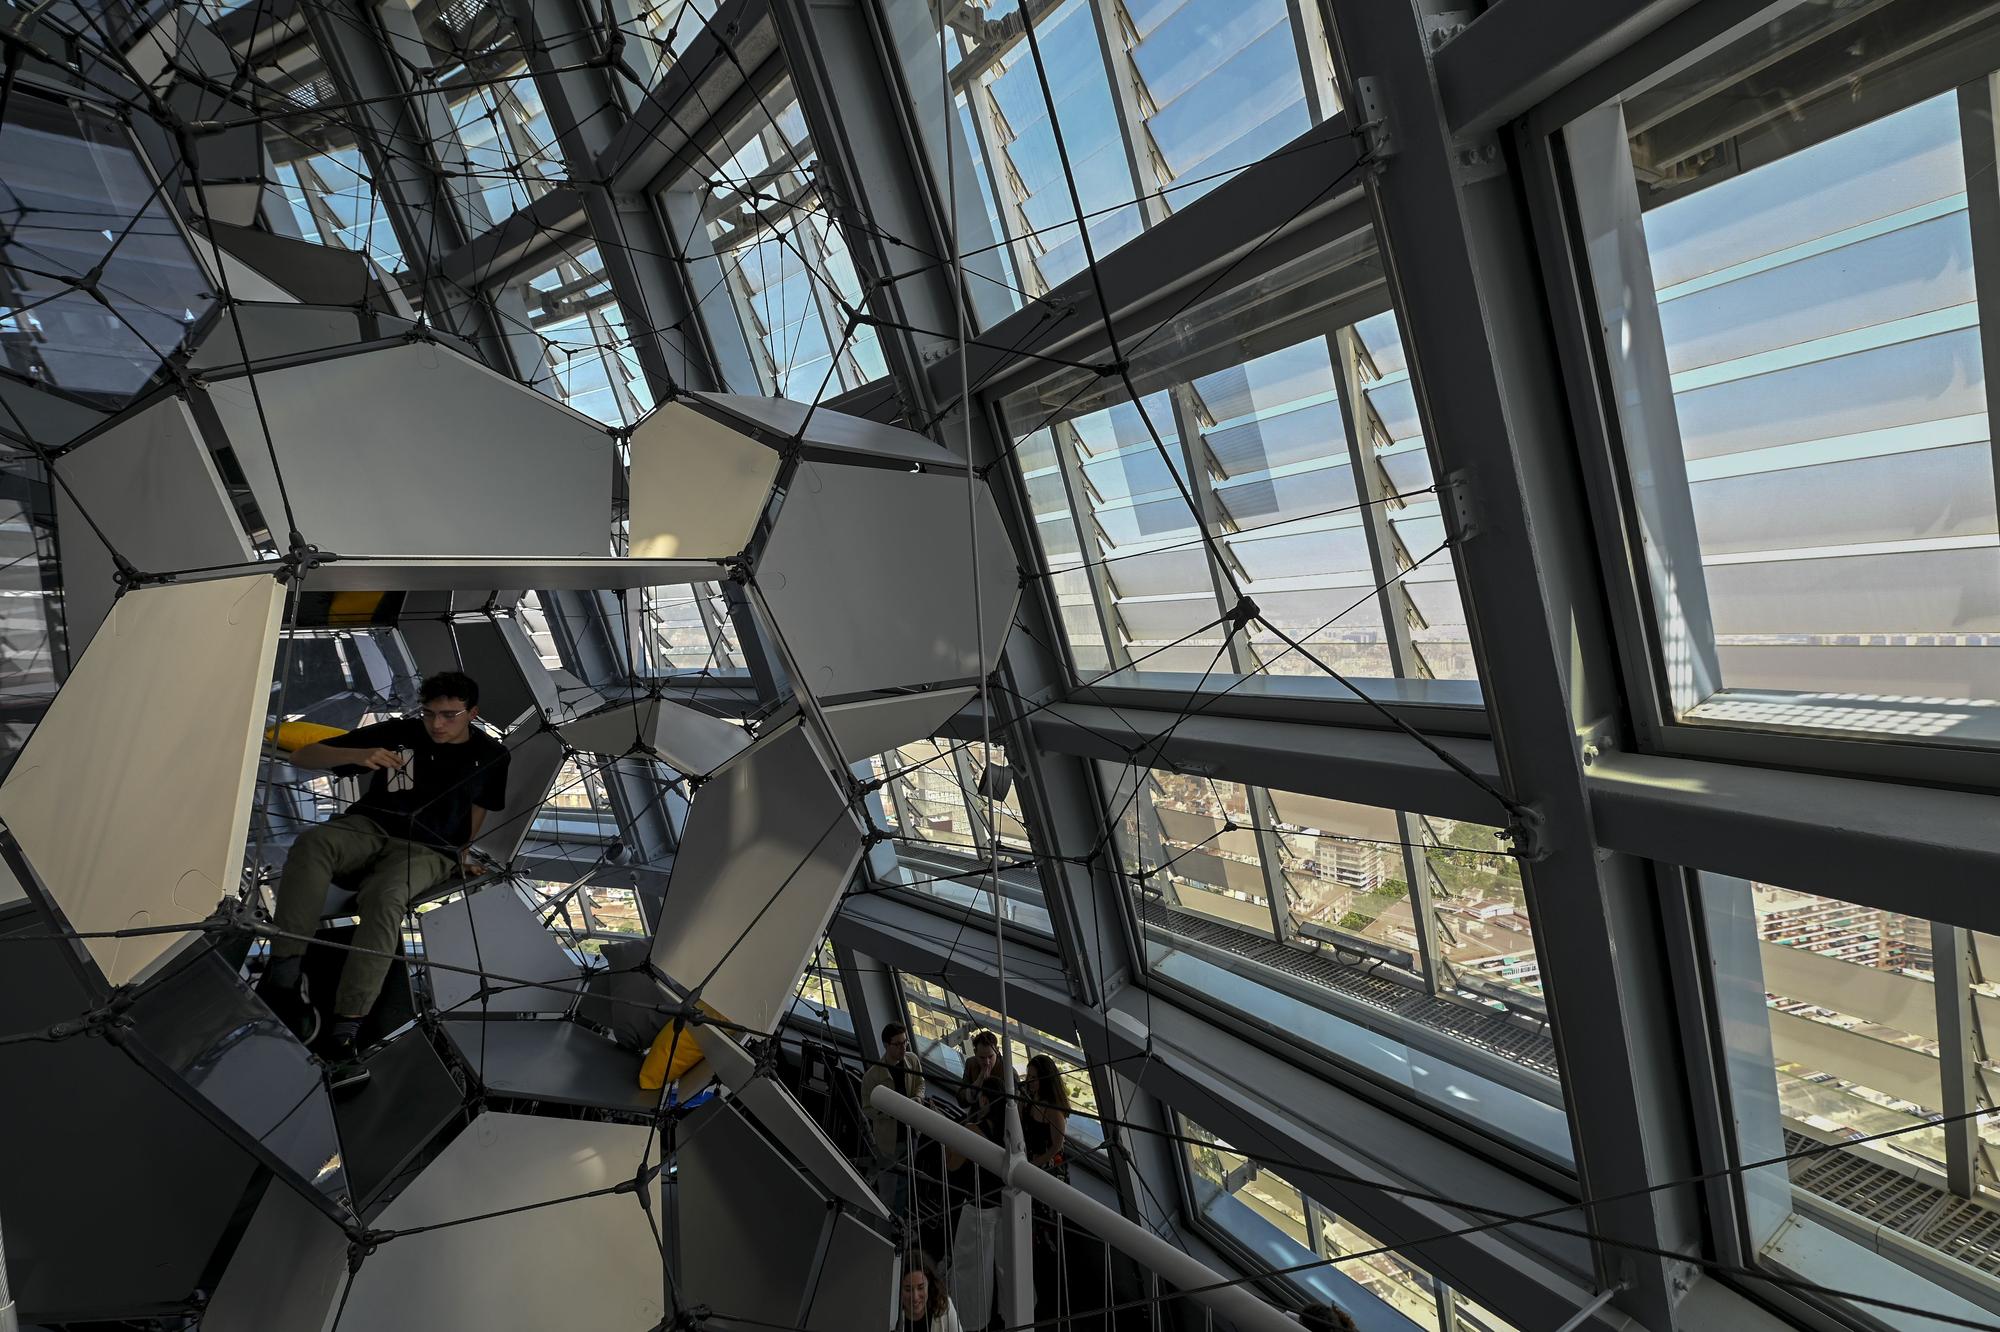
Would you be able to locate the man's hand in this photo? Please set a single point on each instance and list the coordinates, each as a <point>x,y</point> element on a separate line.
<point>375,758</point>
<point>468,864</point>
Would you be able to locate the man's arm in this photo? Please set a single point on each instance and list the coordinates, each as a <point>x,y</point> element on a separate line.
<point>465,860</point>
<point>321,756</point>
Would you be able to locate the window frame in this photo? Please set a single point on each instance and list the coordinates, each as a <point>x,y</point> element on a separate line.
<point>1554,182</point>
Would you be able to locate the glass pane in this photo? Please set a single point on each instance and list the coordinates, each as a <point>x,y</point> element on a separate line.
<point>1359,969</point>
<point>1829,509</point>
<point>1265,1216</point>
<point>945,835</point>
<point>1854,1037</point>
<point>1184,94</point>
<point>1244,433</point>
<point>943,1024</point>
<point>327,189</point>
<point>582,328</point>
<point>788,283</point>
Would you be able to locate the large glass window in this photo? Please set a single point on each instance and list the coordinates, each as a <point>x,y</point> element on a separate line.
<point>773,273</point>
<point>1855,1043</point>
<point>322,182</point>
<point>942,1025</point>
<point>1158,100</point>
<point>1297,913</point>
<point>1801,387</point>
<point>582,327</point>
<point>1322,1258</point>
<point>945,832</point>
<point>1289,470</point>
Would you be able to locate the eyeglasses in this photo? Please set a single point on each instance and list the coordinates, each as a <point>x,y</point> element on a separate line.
<point>431,715</point>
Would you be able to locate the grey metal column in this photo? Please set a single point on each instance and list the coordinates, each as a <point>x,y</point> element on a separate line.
<point>1464,268</point>
<point>1958,1077</point>
<point>562,40</point>
<point>400,145</point>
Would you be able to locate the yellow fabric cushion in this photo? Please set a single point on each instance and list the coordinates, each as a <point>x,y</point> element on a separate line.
<point>296,735</point>
<point>685,1051</point>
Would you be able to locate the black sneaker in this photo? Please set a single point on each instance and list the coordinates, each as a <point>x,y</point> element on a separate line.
<point>290,1004</point>
<point>346,1072</point>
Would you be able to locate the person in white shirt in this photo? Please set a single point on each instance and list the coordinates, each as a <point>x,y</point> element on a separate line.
<point>924,1304</point>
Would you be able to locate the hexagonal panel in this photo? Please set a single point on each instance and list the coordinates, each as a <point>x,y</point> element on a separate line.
<point>476,466</point>
<point>893,551</point>
<point>697,486</point>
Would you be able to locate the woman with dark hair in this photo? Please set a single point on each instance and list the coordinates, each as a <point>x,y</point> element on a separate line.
<point>924,1305</point>
<point>1045,1116</point>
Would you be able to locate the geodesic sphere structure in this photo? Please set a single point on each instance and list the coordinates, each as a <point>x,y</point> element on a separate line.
<point>261,467</point>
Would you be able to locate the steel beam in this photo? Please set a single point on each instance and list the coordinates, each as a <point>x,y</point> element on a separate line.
<point>1503,62</point>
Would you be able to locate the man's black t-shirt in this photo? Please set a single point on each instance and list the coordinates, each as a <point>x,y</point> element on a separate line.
<point>445,782</point>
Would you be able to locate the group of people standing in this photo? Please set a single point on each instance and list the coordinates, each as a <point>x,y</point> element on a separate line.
<point>966,1220</point>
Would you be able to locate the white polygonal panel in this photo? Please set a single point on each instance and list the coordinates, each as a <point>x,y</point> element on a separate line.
<point>686,740</point>
<point>11,890</point>
<point>830,435</point>
<point>494,933</point>
<point>581,1263</point>
<point>151,485</point>
<point>872,726</point>
<point>476,466</point>
<point>770,843</point>
<point>132,798</point>
<point>869,576</point>
<point>697,486</point>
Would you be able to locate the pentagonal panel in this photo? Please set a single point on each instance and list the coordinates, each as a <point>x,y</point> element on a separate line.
<point>697,486</point>
<point>893,551</point>
<point>822,434</point>
<point>770,843</point>
<point>581,1263</point>
<point>870,726</point>
<point>201,1031</point>
<point>493,933</point>
<point>151,486</point>
<point>477,466</point>
<point>686,740</point>
<point>286,1273</point>
<point>132,798</point>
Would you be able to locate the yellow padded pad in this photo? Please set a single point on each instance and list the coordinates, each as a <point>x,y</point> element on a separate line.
<point>294,736</point>
<point>684,1050</point>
